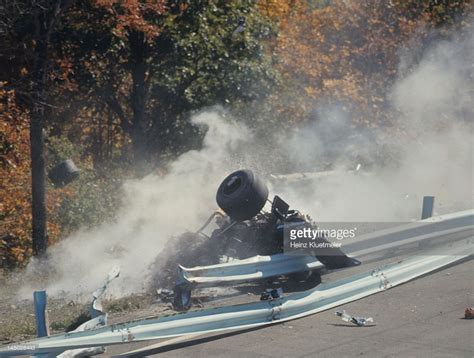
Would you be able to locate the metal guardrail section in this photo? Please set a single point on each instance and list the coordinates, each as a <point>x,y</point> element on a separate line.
<point>259,267</point>
<point>430,228</point>
<point>254,268</point>
<point>261,313</point>
<point>308,176</point>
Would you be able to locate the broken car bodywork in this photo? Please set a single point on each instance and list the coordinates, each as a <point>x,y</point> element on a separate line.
<point>245,229</point>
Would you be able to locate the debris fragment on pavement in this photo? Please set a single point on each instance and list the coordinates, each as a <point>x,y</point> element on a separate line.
<point>96,305</point>
<point>165,295</point>
<point>359,321</point>
<point>271,294</point>
<point>469,313</point>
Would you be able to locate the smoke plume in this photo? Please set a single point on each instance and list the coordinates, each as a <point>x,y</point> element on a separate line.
<point>430,153</point>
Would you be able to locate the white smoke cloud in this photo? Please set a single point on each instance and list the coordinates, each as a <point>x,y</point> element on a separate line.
<point>155,208</point>
<point>434,157</point>
<point>435,101</point>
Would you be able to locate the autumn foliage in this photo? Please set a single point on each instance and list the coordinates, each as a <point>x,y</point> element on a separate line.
<point>15,186</point>
<point>132,14</point>
<point>345,53</point>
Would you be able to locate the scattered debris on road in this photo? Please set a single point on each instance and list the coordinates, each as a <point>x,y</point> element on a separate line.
<point>96,306</point>
<point>165,295</point>
<point>469,313</point>
<point>359,321</point>
<point>270,294</point>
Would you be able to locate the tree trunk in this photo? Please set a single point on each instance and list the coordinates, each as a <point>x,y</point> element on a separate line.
<point>38,179</point>
<point>45,17</point>
<point>139,95</point>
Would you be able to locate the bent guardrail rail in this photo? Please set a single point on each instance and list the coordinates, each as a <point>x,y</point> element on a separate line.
<point>254,268</point>
<point>261,267</point>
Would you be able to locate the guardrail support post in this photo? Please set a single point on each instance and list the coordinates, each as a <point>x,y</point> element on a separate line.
<point>427,210</point>
<point>40,300</point>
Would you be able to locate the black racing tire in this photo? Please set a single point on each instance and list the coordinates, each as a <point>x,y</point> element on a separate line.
<point>242,195</point>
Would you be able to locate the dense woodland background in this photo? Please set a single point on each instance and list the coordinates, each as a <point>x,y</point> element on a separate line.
<point>112,85</point>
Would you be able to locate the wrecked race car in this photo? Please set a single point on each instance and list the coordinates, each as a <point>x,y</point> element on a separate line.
<point>243,229</point>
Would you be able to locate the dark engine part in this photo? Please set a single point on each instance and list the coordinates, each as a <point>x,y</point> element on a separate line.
<point>242,195</point>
